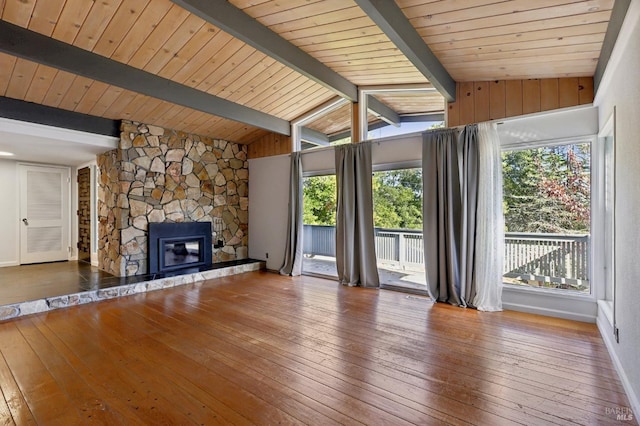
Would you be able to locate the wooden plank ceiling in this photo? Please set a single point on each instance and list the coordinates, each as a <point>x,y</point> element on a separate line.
<point>474,40</point>
<point>479,40</point>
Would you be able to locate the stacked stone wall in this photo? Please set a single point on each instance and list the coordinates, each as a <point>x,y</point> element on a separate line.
<point>162,175</point>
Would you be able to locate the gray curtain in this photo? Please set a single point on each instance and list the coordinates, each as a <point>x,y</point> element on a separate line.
<point>450,187</point>
<point>293,253</point>
<point>355,243</point>
<point>469,161</point>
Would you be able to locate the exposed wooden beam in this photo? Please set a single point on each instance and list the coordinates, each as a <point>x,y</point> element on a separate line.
<point>435,116</point>
<point>21,42</point>
<point>613,29</point>
<point>234,21</point>
<point>383,111</point>
<point>56,117</point>
<point>389,17</point>
<point>314,137</point>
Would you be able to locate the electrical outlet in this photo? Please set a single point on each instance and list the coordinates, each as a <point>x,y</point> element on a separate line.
<point>616,333</point>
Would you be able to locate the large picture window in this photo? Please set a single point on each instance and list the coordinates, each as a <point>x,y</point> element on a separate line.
<point>547,206</point>
<point>397,215</point>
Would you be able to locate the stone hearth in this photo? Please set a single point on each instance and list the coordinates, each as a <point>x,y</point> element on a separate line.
<point>162,175</point>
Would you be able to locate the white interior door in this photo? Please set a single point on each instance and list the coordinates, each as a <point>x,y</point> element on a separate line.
<point>44,214</point>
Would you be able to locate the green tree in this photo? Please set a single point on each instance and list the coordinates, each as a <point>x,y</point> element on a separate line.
<point>397,199</point>
<point>319,200</point>
<point>547,189</point>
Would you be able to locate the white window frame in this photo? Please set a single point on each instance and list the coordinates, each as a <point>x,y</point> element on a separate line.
<point>365,91</point>
<point>604,272</point>
<point>595,194</point>
<point>298,123</point>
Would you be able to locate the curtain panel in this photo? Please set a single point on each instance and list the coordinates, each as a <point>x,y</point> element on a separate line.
<point>441,206</point>
<point>490,221</point>
<point>293,253</point>
<point>468,157</point>
<point>355,242</point>
<point>462,216</point>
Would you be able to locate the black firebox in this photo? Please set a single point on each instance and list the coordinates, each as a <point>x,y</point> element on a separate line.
<point>178,246</point>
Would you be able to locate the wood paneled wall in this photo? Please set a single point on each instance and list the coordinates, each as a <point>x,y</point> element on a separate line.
<point>479,101</point>
<point>270,144</point>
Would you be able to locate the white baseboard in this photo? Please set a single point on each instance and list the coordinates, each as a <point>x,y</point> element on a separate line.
<point>607,335</point>
<point>549,312</point>
<point>9,263</point>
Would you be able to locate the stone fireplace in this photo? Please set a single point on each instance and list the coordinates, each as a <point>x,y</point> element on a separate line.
<point>160,175</point>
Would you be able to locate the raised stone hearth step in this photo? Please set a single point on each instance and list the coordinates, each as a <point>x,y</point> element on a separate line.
<point>51,303</point>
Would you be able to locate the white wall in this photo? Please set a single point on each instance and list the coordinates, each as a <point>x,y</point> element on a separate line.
<point>9,220</point>
<point>268,201</point>
<point>620,88</point>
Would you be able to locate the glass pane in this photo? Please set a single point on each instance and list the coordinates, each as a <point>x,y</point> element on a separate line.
<point>319,219</point>
<point>384,130</point>
<point>547,204</point>
<point>181,253</point>
<point>397,214</point>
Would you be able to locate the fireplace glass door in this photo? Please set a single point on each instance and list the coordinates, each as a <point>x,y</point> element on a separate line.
<point>181,253</point>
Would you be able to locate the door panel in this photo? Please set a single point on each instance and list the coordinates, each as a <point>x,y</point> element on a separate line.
<point>44,213</point>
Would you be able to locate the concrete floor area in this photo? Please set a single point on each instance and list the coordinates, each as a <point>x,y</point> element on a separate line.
<point>390,275</point>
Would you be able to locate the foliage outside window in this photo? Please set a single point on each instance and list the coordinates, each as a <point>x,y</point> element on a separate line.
<point>397,215</point>
<point>547,208</point>
<point>397,198</point>
<point>319,194</point>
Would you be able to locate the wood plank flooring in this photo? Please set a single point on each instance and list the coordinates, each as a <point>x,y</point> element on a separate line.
<point>259,348</point>
<point>40,280</point>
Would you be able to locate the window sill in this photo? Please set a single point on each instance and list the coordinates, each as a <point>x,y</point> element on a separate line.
<point>547,292</point>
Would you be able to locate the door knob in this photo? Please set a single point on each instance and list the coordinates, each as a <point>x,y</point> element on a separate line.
<point>26,222</point>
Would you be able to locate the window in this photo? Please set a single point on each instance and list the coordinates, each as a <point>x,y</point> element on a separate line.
<point>397,214</point>
<point>402,129</point>
<point>397,217</point>
<point>547,206</point>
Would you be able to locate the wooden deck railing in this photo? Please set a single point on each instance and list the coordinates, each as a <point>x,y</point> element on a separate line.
<point>556,260</point>
<point>401,247</point>
<point>561,260</point>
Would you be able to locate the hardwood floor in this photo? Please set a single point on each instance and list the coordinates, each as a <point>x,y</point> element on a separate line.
<point>259,348</point>
<point>36,281</point>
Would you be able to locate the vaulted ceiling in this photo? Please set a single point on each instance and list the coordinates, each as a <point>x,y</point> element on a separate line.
<point>238,69</point>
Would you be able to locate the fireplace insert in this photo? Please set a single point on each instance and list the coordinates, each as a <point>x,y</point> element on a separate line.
<point>179,246</point>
